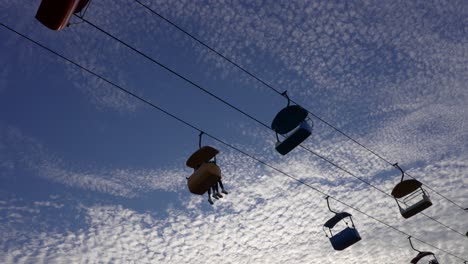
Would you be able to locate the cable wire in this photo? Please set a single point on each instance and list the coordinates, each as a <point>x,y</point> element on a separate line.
<point>247,115</point>
<point>251,156</point>
<point>249,73</point>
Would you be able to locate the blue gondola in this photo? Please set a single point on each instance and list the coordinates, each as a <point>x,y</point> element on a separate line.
<point>291,122</point>
<point>345,237</point>
<point>406,192</point>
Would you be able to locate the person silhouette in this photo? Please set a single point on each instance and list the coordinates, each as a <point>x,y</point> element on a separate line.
<point>215,189</point>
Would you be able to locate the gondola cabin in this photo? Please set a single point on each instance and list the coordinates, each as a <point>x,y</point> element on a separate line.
<point>425,257</point>
<point>405,194</point>
<point>346,237</point>
<point>206,172</point>
<point>291,122</point>
<point>55,14</point>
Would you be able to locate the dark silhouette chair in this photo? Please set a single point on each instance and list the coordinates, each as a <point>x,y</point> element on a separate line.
<point>291,122</point>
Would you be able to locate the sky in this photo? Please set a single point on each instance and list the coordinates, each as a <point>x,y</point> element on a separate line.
<point>89,174</point>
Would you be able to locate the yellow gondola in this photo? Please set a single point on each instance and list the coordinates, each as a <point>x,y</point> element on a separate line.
<point>206,174</point>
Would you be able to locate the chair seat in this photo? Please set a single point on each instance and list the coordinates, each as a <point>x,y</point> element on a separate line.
<point>294,139</point>
<point>345,238</point>
<point>203,178</point>
<point>416,208</point>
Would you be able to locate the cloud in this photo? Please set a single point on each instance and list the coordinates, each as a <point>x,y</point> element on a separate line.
<point>338,49</point>
<point>389,74</point>
<point>266,218</point>
<point>27,152</point>
<point>269,220</point>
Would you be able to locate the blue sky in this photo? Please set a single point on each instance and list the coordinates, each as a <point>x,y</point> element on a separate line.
<point>89,174</point>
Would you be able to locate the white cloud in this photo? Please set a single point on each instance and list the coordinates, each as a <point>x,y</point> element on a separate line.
<point>397,83</point>
<point>269,220</point>
<point>126,182</point>
<point>266,218</point>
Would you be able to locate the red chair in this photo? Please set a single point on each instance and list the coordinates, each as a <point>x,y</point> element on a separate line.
<point>55,14</point>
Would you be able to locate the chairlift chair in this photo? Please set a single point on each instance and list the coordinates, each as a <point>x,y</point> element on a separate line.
<point>206,172</point>
<point>345,237</point>
<point>423,255</point>
<point>291,122</point>
<point>55,14</point>
<point>406,191</point>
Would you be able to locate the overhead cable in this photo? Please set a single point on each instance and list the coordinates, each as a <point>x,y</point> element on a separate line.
<point>248,115</point>
<point>249,73</point>
<point>251,156</point>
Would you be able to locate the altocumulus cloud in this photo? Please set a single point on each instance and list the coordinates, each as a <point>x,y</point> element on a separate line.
<point>412,108</point>
<point>265,219</point>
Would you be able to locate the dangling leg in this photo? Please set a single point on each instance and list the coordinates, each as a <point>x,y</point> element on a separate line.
<point>214,192</point>
<point>217,191</point>
<point>209,197</point>
<point>222,187</point>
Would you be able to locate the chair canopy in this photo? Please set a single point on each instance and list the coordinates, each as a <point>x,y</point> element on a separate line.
<point>288,118</point>
<point>202,155</point>
<point>406,187</point>
<point>420,256</point>
<point>335,219</point>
